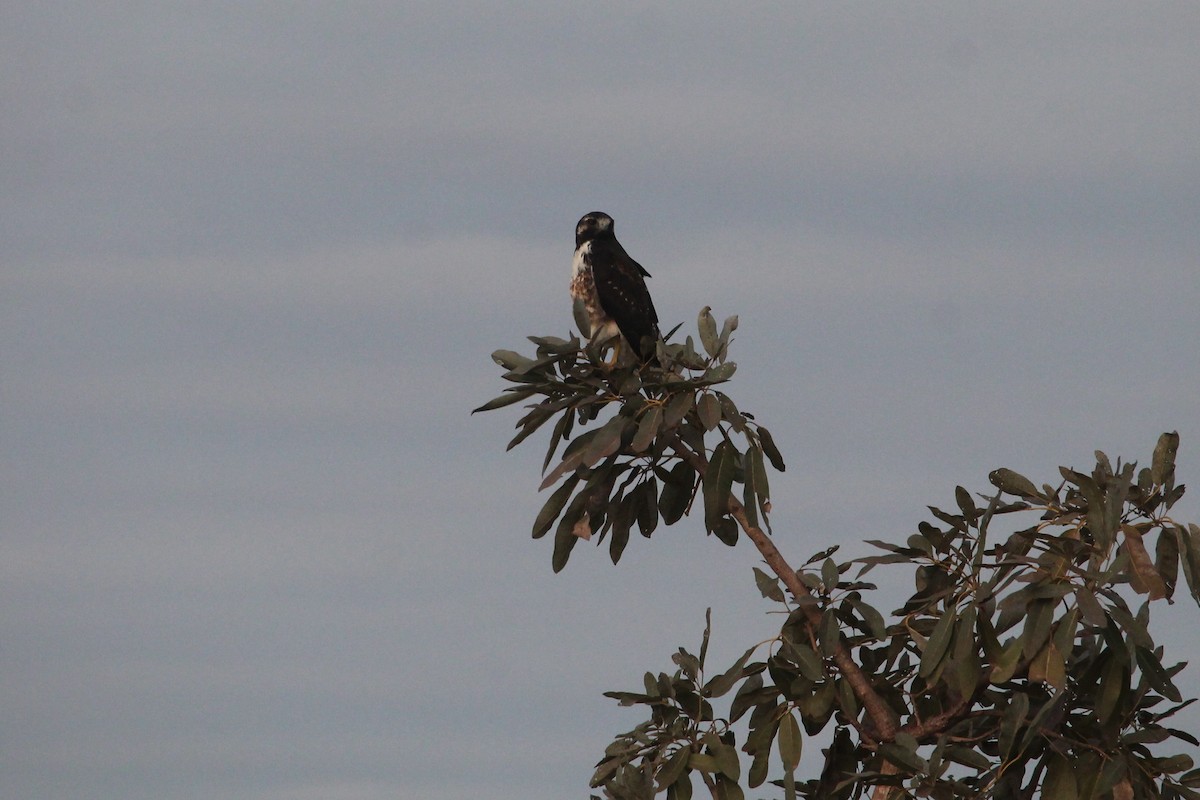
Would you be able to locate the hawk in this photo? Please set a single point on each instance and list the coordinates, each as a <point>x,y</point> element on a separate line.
<point>612,288</point>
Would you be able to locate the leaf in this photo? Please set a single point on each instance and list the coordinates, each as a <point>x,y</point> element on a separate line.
<point>512,360</point>
<point>1162,467</point>
<point>719,374</point>
<point>965,503</point>
<point>768,586</point>
<point>727,329</point>
<point>721,684</point>
<point>709,411</point>
<point>707,326</point>
<point>1011,722</point>
<point>674,767</point>
<point>1114,687</point>
<point>622,520</point>
<point>1006,664</point>
<point>647,429</point>
<point>677,408</point>
<point>647,515</point>
<point>564,536</point>
<point>769,449</point>
<point>1093,612</point>
<point>829,575</point>
<point>726,530</point>
<point>513,395</point>
<point>807,660</point>
<point>1013,483</point>
<point>1158,678</point>
<point>939,642</point>
<point>756,464</point>
<point>728,789</point>
<point>718,480</point>
<point>1143,575</point>
<point>553,507</point>
<point>903,757</point>
<point>791,743</point>
<point>730,412</point>
<point>1059,782</point>
<point>676,492</point>
<point>1166,560</point>
<point>1048,667</point>
<point>727,759</point>
<point>749,495</point>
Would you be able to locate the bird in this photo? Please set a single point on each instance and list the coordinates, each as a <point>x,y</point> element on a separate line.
<point>611,286</point>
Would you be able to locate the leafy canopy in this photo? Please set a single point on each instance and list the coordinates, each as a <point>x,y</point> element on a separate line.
<point>1023,661</point>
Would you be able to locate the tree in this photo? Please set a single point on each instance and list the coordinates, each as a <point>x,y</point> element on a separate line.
<point>1022,663</point>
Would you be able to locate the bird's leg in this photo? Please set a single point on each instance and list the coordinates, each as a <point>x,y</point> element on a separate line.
<point>616,354</point>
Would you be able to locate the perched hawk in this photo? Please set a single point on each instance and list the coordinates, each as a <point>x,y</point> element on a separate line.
<point>612,288</point>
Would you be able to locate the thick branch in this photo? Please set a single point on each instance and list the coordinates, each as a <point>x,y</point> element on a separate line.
<point>880,713</point>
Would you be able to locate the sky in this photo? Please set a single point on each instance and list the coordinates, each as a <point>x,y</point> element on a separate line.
<point>254,258</point>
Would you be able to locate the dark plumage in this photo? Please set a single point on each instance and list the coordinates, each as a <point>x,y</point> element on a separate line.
<point>612,287</point>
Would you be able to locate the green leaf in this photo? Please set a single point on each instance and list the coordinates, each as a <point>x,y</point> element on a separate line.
<point>676,492</point>
<point>829,575</point>
<point>681,789</point>
<point>719,374</point>
<point>511,360</point>
<point>647,429</point>
<point>769,448</point>
<point>726,530</point>
<point>791,743</point>
<point>1162,467</point>
<point>768,586</point>
<point>1013,720</point>
<point>727,759</point>
<point>707,327</point>
<point>709,410</point>
<point>721,684</point>
<point>807,660</point>
<point>728,789</point>
<point>1049,667</point>
<point>1059,782</point>
<point>673,768</point>
<point>677,408</point>
<point>730,412</point>
<point>553,507</point>
<point>622,519</point>
<point>1143,575</point>
<point>1158,678</point>
<point>647,516</point>
<point>1166,560</point>
<point>903,757</point>
<point>1014,483</point>
<point>564,535</point>
<point>727,329</point>
<point>756,465</point>
<point>718,480</point>
<point>510,396</point>
<point>749,496</point>
<point>939,642</point>
<point>1006,664</point>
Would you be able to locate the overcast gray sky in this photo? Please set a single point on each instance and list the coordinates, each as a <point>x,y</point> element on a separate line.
<point>255,257</point>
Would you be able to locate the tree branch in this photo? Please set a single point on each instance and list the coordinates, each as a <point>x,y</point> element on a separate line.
<point>882,716</point>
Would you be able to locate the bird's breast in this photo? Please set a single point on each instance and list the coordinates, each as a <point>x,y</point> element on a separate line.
<point>581,263</point>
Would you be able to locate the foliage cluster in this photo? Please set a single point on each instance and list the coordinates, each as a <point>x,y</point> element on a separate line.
<point>1022,662</point>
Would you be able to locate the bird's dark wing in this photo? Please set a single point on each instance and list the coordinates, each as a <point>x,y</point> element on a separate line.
<point>623,295</point>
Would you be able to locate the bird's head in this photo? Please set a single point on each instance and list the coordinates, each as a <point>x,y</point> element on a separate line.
<point>592,225</point>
